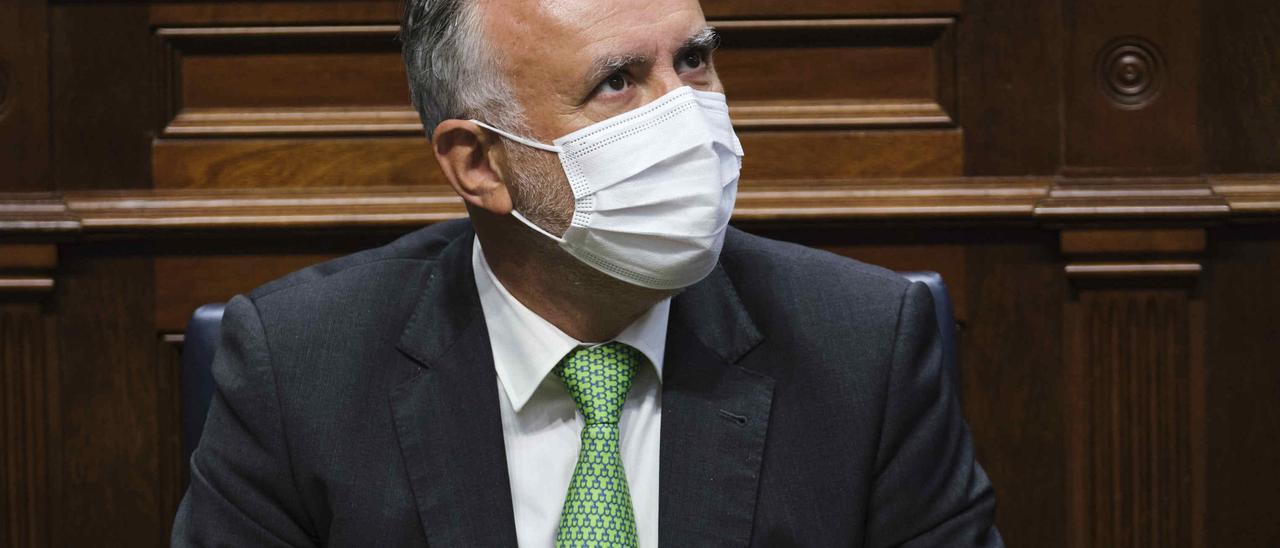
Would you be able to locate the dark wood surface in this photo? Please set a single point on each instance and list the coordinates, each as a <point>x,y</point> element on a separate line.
<point>1111,251</point>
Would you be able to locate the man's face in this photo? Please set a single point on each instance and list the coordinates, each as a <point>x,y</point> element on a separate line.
<point>572,63</point>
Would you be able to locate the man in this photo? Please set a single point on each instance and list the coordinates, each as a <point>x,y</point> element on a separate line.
<point>595,359</point>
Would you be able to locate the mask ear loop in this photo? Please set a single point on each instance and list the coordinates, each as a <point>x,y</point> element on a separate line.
<point>520,217</point>
<point>533,144</point>
<point>522,140</point>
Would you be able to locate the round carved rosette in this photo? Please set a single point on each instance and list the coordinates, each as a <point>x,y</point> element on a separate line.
<point>1130,72</point>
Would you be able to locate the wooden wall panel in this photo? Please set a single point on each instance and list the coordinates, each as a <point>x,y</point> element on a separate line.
<point>840,72</point>
<point>808,155</point>
<point>1010,86</point>
<point>1243,381</point>
<point>1240,121</point>
<point>1014,396</point>
<point>105,105</point>
<point>1135,325</point>
<point>110,395</point>
<point>26,370</point>
<point>283,163</point>
<point>829,8</point>
<point>1132,74</point>
<point>289,94</point>
<point>24,96</point>
<point>268,12</point>
<point>338,70</point>
<point>1135,439</point>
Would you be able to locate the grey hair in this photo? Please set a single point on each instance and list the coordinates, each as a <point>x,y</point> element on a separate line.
<point>453,71</point>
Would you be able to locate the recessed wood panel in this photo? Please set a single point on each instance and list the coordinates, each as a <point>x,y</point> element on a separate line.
<point>24,96</point>
<point>1132,88</point>
<point>851,154</point>
<point>829,8</point>
<point>388,11</point>
<point>252,68</point>
<point>264,163</point>
<point>834,60</point>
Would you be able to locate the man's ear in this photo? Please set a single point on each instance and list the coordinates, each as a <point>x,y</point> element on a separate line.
<point>469,156</point>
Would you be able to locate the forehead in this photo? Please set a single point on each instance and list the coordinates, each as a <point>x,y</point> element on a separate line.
<point>545,34</point>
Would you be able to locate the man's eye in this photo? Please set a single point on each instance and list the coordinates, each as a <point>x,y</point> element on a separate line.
<point>613,84</point>
<point>690,60</point>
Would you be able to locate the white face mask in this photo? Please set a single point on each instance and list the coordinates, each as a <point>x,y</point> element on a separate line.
<point>653,189</point>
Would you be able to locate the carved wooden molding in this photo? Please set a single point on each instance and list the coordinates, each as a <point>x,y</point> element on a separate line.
<point>36,213</point>
<point>1250,196</point>
<point>1040,200</point>
<point>1143,269</point>
<point>1101,253</point>
<point>1188,198</point>
<point>27,269</point>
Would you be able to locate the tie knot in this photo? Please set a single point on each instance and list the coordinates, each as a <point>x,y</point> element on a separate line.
<point>599,378</point>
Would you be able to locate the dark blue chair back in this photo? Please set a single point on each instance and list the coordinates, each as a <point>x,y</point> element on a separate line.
<point>198,347</point>
<point>201,342</point>
<point>946,320</point>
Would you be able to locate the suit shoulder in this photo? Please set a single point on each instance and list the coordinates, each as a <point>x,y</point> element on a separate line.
<point>421,246</point>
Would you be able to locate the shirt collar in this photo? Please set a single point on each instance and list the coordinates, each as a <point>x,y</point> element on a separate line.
<point>526,347</point>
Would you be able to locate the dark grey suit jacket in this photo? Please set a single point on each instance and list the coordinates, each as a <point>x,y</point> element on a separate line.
<point>803,399</point>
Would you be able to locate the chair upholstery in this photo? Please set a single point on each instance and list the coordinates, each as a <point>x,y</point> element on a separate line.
<point>198,347</point>
<point>203,330</point>
<point>946,320</point>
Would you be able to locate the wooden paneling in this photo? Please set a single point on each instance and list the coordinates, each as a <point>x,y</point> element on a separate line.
<point>807,155</point>
<point>26,407</point>
<point>1132,88</point>
<point>110,397</point>
<point>830,8</point>
<point>1135,389</point>
<point>105,104</point>
<point>1010,86</point>
<point>1243,350</point>
<point>1011,354</point>
<point>1241,126</point>
<point>293,67</point>
<point>24,96</point>
<point>282,163</point>
<point>268,12</point>
<point>288,91</point>
<point>408,161</point>
<point>856,72</point>
<point>1136,383</point>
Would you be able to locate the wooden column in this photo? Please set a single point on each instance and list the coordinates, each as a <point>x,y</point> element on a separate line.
<point>27,401</point>
<point>1135,386</point>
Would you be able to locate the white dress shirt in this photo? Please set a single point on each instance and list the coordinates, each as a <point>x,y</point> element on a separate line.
<point>541,425</point>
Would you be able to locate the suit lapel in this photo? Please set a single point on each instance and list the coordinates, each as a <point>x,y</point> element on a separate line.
<point>714,418</point>
<point>447,417</point>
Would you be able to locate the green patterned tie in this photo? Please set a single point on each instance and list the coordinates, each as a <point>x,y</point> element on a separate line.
<point>597,510</point>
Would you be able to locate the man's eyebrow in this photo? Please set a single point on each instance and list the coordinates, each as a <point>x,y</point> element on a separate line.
<point>604,66</point>
<point>708,38</point>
